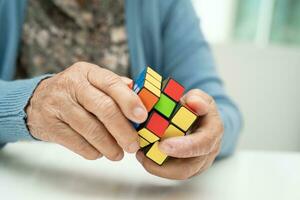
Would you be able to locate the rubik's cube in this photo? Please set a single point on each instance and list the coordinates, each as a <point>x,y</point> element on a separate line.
<point>167,117</point>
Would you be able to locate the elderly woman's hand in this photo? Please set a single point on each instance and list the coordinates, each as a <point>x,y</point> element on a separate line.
<point>86,109</point>
<point>194,153</point>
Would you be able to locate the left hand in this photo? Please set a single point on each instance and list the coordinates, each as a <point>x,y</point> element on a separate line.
<point>194,153</point>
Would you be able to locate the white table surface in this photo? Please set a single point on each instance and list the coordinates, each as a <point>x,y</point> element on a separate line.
<point>38,171</point>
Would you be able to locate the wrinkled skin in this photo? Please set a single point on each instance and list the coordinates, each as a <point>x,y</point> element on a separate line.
<point>86,109</point>
<point>193,153</point>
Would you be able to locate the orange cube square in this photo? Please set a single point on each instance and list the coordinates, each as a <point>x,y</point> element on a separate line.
<point>148,98</point>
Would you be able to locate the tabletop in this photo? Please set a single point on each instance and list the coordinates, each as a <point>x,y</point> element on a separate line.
<point>48,171</point>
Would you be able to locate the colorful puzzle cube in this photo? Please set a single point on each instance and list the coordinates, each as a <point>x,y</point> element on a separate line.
<point>167,117</point>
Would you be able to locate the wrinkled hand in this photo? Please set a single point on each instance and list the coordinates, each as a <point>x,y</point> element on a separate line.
<point>86,109</point>
<point>192,154</point>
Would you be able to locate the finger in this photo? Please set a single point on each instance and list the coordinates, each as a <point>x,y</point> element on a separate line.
<point>113,86</point>
<point>210,159</point>
<point>93,131</point>
<point>106,110</point>
<point>70,139</point>
<point>178,169</point>
<point>199,143</point>
<point>127,80</point>
<point>196,100</point>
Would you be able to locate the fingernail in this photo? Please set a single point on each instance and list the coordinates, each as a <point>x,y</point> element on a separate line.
<point>195,98</point>
<point>199,109</point>
<point>139,112</point>
<point>134,147</point>
<point>130,84</point>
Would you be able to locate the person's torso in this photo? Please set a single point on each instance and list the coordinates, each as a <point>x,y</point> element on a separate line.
<point>58,33</point>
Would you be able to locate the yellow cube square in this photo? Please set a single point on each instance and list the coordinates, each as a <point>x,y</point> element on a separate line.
<point>154,74</point>
<point>154,81</point>
<point>143,142</point>
<point>172,131</point>
<point>184,118</point>
<point>156,155</point>
<point>152,88</point>
<point>148,135</point>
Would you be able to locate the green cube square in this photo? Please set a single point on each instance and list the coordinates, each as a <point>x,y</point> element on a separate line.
<point>165,105</point>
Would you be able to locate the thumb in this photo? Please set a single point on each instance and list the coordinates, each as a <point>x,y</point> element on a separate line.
<point>196,101</point>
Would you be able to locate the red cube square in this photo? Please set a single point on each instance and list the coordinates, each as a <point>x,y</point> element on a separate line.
<point>173,89</point>
<point>157,124</point>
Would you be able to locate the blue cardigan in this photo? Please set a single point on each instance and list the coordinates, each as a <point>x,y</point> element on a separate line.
<point>164,34</point>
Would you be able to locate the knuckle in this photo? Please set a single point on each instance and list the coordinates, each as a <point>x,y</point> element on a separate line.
<point>79,64</point>
<point>193,147</point>
<point>108,108</point>
<point>63,85</point>
<point>80,67</point>
<point>98,138</point>
<point>111,80</point>
<point>207,148</point>
<point>92,130</point>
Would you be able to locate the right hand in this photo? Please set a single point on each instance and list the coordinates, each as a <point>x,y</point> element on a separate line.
<point>86,109</point>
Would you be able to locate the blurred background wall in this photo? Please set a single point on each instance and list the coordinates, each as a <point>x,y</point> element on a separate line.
<point>256,44</point>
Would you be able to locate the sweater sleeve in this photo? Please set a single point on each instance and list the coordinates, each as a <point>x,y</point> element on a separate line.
<point>188,58</point>
<point>14,96</point>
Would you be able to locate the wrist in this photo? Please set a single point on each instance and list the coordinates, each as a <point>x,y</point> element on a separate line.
<point>31,106</point>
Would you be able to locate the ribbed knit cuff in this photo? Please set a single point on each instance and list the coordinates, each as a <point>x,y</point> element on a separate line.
<point>13,100</point>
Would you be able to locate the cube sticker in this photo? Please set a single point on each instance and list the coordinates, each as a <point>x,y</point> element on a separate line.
<point>143,142</point>
<point>165,105</point>
<point>148,135</point>
<point>184,118</point>
<point>172,131</point>
<point>156,155</point>
<point>173,89</point>
<point>153,73</point>
<point>148,98</point>
<point>157,124</point>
